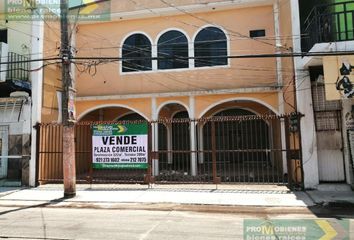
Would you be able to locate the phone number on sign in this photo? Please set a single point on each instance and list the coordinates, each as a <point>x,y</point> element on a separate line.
<point>117,160</point>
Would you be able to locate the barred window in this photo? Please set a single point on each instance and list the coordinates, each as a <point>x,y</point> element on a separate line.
<point>210,47</point>
<point>136,54</point>
<point>327,113</point>
<point>172,45</point>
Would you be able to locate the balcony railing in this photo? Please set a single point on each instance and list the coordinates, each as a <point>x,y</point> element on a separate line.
<point>18,70</point>
<point>329,23</point>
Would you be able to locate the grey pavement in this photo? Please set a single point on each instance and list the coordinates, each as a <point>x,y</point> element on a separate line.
<point>109,195</point>
<point>68,223</point>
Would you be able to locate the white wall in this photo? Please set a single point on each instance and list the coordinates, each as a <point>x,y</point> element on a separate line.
<point>304,106</point>
<point>19,36</point>
<point>10,116</point>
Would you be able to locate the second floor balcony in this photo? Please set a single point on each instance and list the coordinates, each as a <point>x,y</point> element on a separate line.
<point>14,74</point>
<point>329,23</point>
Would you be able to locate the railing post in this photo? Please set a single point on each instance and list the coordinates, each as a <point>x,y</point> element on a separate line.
<point>299,116</point>
<point>345,21</point>
<point>216,179</point>
<point>290,169</point>
<point>38,144</point>
<point>90,176</point>
<point>149,178</point>
<point>193,148</point>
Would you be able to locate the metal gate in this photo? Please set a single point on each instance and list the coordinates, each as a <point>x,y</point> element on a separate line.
<point>224,149</point>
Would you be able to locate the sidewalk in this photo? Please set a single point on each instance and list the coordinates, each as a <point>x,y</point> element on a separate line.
<point>116,196</point>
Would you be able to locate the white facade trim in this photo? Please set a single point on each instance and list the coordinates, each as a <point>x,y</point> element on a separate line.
<point>195,8</point>
<point>121,49</point>
<point>191,54</point>
<point>156,44</point>
<point>173,102</point>
<point>179,94</point>
<point>227,43</point>
<point>193,137</point>
<point>154,112</point>
<point>326,47</point>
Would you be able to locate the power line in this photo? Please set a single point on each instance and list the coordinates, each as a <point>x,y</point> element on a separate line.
<point>172,19</point>
<point>270,55</point>
<point>212,23</point>
<point>32,60</point>
<point>30,70</point>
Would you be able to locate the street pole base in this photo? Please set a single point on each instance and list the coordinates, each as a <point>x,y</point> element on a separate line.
<point>217,180</point>
<point>69,195</point>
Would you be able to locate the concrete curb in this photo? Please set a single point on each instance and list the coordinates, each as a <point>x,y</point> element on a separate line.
<point>206,208</point>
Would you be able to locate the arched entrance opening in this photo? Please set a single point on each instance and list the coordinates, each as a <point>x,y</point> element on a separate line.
<point>83,133</point>
<point>173,143</point>
<point>111,114</point>
<point>248,146</point>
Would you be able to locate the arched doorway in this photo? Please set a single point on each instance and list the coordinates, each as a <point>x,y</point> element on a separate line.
<point>112,113</point>
<point>109,114</point>
<point>174,162</point>
<point>247,144</point>
<point>131,116</point>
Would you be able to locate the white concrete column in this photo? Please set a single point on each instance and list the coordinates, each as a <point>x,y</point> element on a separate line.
<point>304,106</point>
<point>308,132</point>
<point>193,136</point>
<point>155,137</point>
<point>169,143</point>
<point>283,145</point>
<point>154,63</point>
<point>191,54</point>
<point>280,84</point>
<point>37,88</point>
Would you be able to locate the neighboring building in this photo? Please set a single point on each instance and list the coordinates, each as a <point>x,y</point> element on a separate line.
<point>15,101</point>
<point>326,26</point>
<point>20,92</point>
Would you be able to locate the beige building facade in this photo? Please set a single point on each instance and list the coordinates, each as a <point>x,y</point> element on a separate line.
<point>185,59</point>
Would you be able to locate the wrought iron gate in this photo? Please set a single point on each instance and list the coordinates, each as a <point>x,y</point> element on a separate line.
<point>223,149</point>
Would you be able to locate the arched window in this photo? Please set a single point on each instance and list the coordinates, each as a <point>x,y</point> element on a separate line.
<point>210,47</point>
<point>136,53</point>
<point>174,46</point>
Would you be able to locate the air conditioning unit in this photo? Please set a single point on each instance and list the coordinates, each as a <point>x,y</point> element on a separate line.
<point>4,52</point>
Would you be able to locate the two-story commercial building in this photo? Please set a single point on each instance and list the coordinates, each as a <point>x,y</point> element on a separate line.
<point>217,82</point>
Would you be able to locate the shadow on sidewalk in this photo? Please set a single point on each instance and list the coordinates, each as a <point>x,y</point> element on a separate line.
<point>42,205</point>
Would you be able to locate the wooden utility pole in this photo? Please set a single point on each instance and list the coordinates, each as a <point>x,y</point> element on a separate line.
<point>68,106</point>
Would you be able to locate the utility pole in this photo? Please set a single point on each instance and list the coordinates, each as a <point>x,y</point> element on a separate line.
<point>68,106</point>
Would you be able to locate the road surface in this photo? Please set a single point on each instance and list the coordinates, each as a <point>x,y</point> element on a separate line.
<point>71,223</point>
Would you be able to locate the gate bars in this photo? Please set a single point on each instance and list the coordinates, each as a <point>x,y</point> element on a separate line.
<point>246,149</point>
